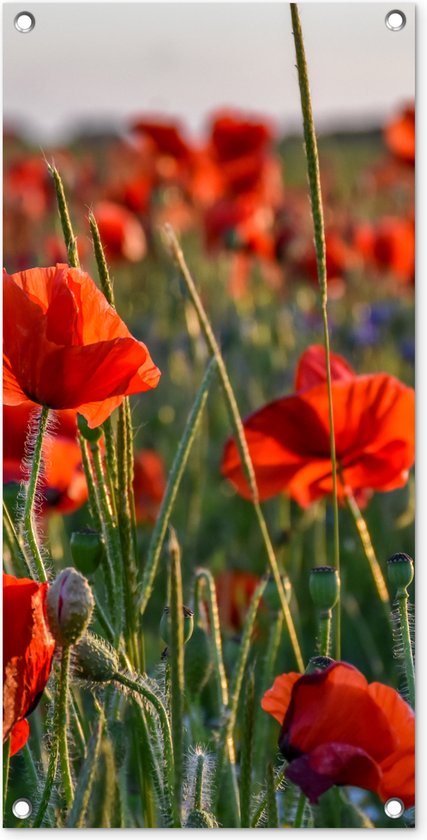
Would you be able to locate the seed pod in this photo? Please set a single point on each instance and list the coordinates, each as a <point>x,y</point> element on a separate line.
<point>200,819</point>
<point>400,572</point>
<point>198,661</point>
<point>87,550</point>
<point>69,606</point>
<point>318,663</point>
<point>94,659</point>
<point>324,587</point>
<point>165,622</point>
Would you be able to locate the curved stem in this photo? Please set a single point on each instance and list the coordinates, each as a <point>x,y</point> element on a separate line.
<point>325,622</point>
<point>313,172</point>
<point>300,811</point>
<point>30,495</point>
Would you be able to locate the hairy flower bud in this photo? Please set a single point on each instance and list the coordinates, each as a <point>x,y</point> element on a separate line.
<point>94,659</point>
<point>400,572</point>
<point>324,587</point>
<point>69,606</point>
<point>200,819</point>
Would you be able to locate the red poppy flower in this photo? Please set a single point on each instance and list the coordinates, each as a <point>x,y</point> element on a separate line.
<point>389,246</point>
<point>28,649</point>
<point>240,146</point>
<point>64,485</point>
<point>340,258</point>
<point>288,439</point>
<point>234,590</point>
<point>65,347</point>
<point>243,224</point>
<point>121,233</point>
<point>148,485</point>
<point>337,729</point>
<point>400,135</point>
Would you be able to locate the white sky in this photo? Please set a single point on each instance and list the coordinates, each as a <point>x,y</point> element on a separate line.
<point>102,62</point>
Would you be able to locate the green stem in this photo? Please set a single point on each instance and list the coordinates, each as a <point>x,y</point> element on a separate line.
<point>313,172</point>
<point>111,539</point>
<point>6,766</point>
<point>176,660</point>
<point>64,760</point>
<point>111,459</point>
<point>237,425</point>
<point>174,481</point>
<point>408,658</point>
<point>365,539</point>
<point>125,523</point>
<point>90,481</point>
<point>20,561</point>
<point>77,815</point>
<point>325,623</point>
<point>30,495</point>
<point>143,690</point>
<point>272,812</point>
<point>264,801</point>
<point>198,783</point>
<point>246,758</point>
<point>300,811</point>
<point>236,686</point>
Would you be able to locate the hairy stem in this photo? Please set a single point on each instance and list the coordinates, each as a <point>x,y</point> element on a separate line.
<point>30,496</point>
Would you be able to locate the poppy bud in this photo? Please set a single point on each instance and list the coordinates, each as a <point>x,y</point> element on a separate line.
<point>94,659</point>
<point>87,549</point>
<point>400,572</point>
<point>91,435</point>
<point>69,606</point>
<point>198,661</point>
<point>271,595</point>
<point>166,621</point>
<point>324,586</point>
<point>199,819</point>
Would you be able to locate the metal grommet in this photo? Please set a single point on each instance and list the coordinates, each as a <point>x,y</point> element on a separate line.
<point>24,22</point>
<point>394,808</point>
<point>22,808</point>
<point>395,20</point>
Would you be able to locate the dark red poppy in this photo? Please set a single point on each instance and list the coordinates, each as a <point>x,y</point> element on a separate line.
<point>337,729</point>
<point>121,233</point>
<point>389,246</point>
<point>243,224</point>
<point>288,439</point>
<point>28,649</point>
<point>234,590</point>
<point>149,484</point>
<point>65,347</point>
<point>166,136</point>
<point>64,485</point>
<point>399,135</point>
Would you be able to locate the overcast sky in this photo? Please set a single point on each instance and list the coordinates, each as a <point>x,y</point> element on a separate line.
<point>101,62</point>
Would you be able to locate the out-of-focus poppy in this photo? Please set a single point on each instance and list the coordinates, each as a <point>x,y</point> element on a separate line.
<point>288,439</point>
<point>65,347</point>
<point>389,246</point>
<point>234,591</point>
<point>399,135</point>
<point>121,233</point>
<point>337,729</point>
<point>171,152</point>
<point>340,258</point>
<point>240,146</point>
<point>27,186</point>
<point>28,649</point>
<point>148,485</point>
<point>64,485</point>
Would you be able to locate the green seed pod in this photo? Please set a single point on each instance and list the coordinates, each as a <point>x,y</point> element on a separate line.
<point>318,663</point>
<point>87,550</point>
<point>69,606</point>
<point>91,435</point>
<point>165,622</point>
<point>324,584</point>
<point>200,819</point>
<point>271,595</point>
<point>198,661</point>
<point>400,572</point>
<point>94,659</point>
